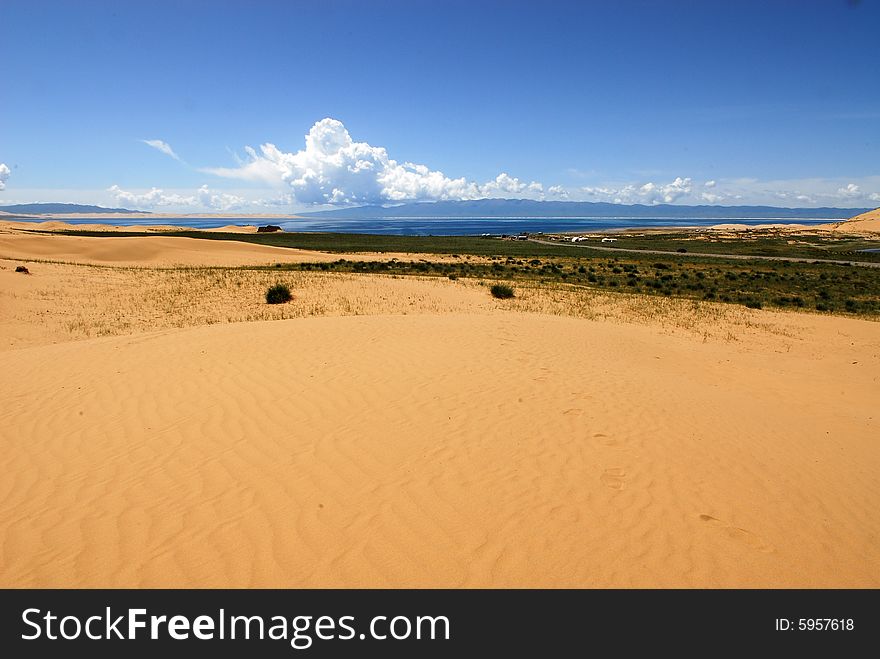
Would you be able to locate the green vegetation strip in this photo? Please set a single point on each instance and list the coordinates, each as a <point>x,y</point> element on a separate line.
<point>824,287</point>
<point>784,284</point>
<point>343,243</point>
<point>845,248</point>
<point>806,247</point>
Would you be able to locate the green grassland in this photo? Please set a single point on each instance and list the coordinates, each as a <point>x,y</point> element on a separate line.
<point>806,247</point>
<point>822,287</point>
<point>845,248</point>
<point>343,243</point>
<point>784,284</point>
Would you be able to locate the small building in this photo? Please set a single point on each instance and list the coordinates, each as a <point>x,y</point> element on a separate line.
<point>609,240</point>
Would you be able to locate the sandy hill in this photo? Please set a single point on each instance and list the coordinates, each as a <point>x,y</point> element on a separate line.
<point>866,222</point>
<point>417,432</point>
<point>18,242</point>
<point>496,449</point>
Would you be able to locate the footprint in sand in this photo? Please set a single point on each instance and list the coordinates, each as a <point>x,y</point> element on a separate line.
<point>574,411</point>
<point>614,478</point>
<point>736,533</point>
<point>605,439</point>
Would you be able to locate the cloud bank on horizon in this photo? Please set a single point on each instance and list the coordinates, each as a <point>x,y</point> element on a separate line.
<point>203,198</point>
<point>334,170</point>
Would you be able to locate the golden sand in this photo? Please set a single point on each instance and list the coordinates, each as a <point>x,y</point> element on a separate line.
<point>416,432</point>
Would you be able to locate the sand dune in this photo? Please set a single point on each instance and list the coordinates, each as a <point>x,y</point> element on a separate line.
<point>464,449</point>
<point>865,223</point>
<point>147,250</point>
<point>164,251</point>
<point>385,431</point>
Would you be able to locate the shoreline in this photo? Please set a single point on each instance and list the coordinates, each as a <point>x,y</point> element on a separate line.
<point>424,226</point>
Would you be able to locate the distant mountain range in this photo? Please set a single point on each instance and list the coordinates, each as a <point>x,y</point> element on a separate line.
<point>528,208</point>
<point>43,209</point>
<point>520,208</point>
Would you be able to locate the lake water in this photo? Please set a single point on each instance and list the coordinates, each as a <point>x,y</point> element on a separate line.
<point>438,226</point>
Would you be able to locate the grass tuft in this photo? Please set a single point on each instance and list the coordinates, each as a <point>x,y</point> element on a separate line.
<point>501,291</point>
<point>278,294</point>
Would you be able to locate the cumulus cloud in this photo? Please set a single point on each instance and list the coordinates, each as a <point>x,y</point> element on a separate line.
<point>204,197</point>
<point>4,175</point>
<point>792,192</point>
<point>164,147</point>
<point>221,201</point>
<point>850,190</point>
<point>557,191</point>
<point>646,193</point>
<point>334,169</point>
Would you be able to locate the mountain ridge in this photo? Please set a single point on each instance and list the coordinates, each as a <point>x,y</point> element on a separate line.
<point>58,208</point>
<point>557,209</point>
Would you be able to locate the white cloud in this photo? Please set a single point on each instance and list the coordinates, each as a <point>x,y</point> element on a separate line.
<point>851,190</point>
<point>221,201</point>
<point>557,191</point>
<point>646,193</point>
<point>164,147</point>
<point>152,199</point>
<point>814,192</point>
<point>203,198</point>
<point>4,175</point>
<point>508,185</point>
<point>334,169</point>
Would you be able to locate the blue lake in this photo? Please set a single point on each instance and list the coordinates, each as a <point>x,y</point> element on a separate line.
<point>438,226</point>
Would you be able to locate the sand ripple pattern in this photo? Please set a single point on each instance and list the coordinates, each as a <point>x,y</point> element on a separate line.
<point>439,450</point>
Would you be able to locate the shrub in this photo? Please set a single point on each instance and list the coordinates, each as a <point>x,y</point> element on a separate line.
<point>278,294</point>
<point>453,276</point>
<point>502,291</point>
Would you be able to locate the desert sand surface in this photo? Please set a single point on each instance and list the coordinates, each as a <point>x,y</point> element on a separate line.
<point>865,223</point>
<point>145,250</point>
<point>18,244</point>
<point>158,431</point>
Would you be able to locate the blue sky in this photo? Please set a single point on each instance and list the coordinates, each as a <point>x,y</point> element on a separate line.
<point>684,102</point>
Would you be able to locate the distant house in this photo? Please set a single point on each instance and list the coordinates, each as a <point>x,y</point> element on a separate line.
<point>609,240</point>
